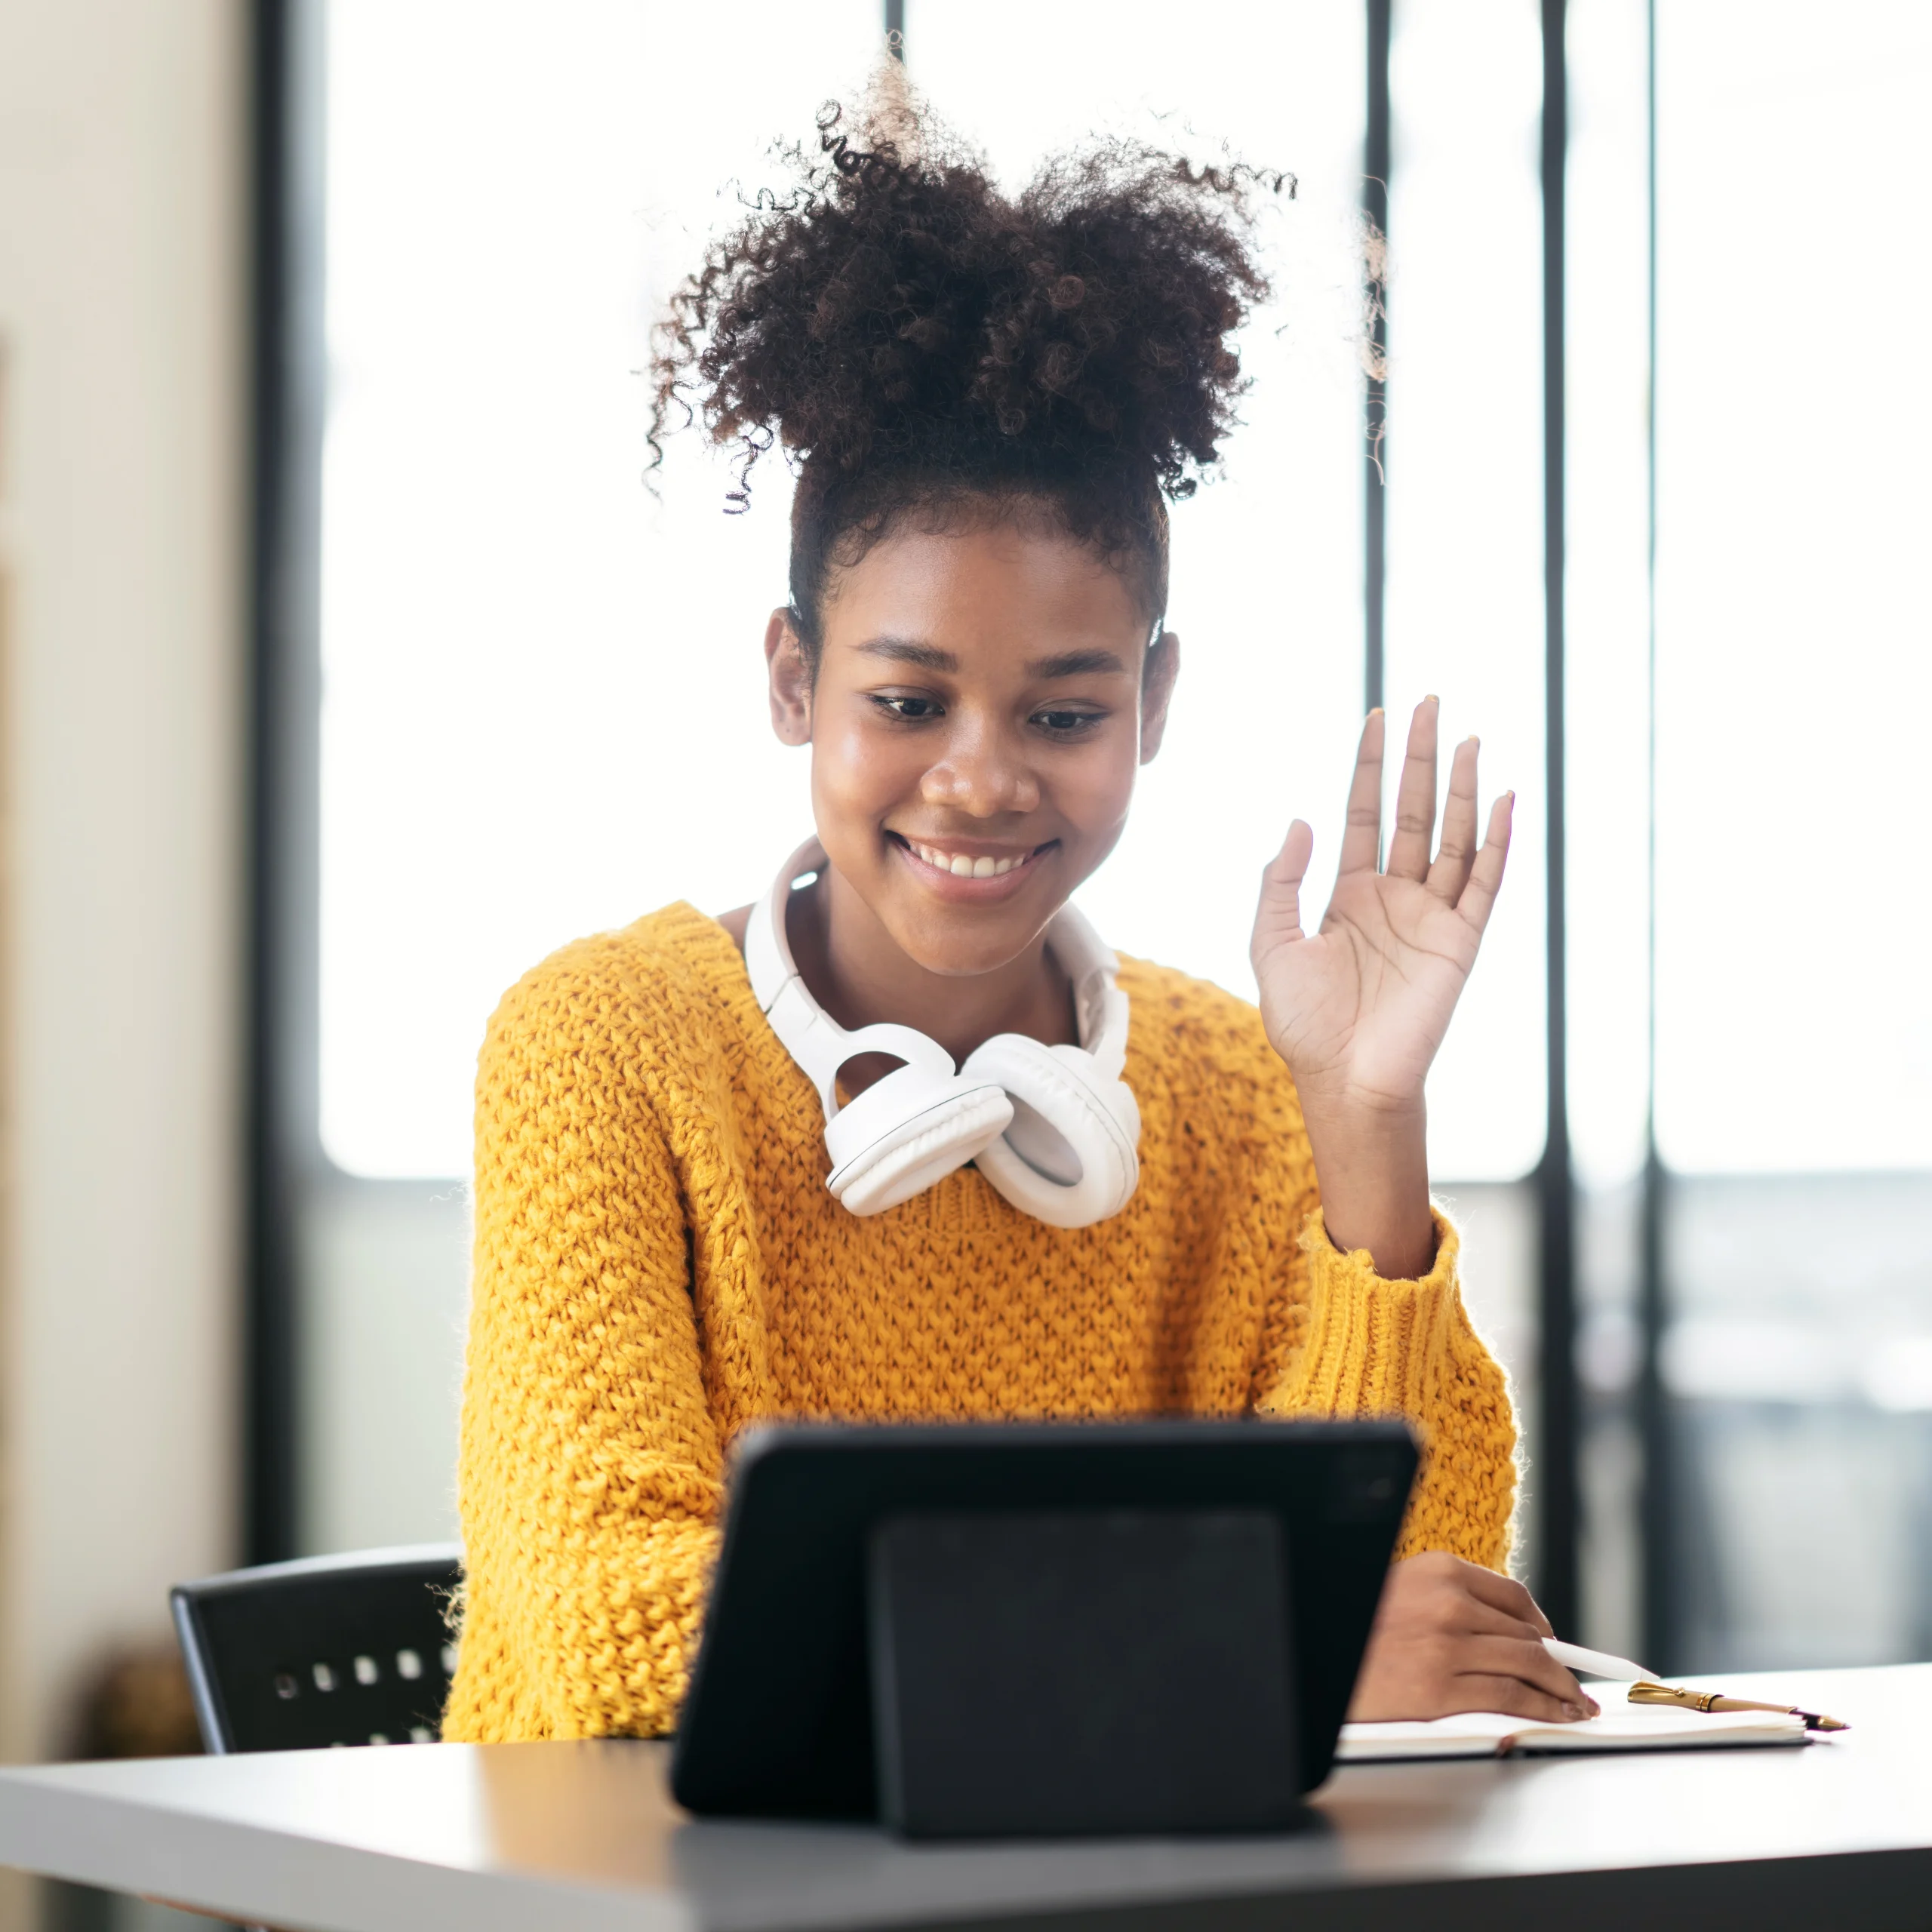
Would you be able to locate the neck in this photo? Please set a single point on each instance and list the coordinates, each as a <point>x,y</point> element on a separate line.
<point>858,974</point>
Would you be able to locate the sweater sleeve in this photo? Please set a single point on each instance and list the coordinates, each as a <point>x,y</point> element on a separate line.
<point>1348,1342</point>
<point>1315,1332</point>
<point>590,1472</point>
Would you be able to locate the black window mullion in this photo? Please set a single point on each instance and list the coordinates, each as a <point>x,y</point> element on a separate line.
<point>1557,1493</point>
<point>1375,156</point>
<point>283,1151</point>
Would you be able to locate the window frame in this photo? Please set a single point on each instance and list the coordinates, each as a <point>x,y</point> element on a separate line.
<point>285,1160</point>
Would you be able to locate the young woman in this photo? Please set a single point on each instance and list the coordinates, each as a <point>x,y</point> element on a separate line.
<point>1055,1185</point>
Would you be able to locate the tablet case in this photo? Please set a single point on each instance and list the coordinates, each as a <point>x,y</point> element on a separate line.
<point>1066,1672</point>
<point>778,1720</point>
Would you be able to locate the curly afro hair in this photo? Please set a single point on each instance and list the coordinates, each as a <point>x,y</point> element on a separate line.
<point>917,343</point>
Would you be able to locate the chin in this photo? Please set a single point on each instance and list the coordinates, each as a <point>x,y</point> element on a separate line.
<point>961,948</point>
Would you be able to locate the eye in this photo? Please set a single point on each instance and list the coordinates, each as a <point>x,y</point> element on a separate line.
<point>1062,721</point>
<point>910,707</point>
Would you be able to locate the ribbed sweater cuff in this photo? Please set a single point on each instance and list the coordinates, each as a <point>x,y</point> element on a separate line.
<point>1373,1345</point>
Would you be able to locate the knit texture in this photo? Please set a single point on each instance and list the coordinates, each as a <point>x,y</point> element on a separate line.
<point>658,1264</point>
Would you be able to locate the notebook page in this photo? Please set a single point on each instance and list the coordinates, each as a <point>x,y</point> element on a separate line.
<point>1629,1728</point>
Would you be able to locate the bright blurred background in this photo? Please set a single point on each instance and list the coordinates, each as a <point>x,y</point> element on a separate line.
<point>349,667</point>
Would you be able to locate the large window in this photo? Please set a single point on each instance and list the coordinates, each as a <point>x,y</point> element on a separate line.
<point>541,709</point>
<point>534,673</point>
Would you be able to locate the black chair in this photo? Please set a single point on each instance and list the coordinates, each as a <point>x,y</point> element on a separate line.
<point>331,1649</point>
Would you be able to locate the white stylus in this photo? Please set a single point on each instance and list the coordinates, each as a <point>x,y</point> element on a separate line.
<point>1593,1663</point>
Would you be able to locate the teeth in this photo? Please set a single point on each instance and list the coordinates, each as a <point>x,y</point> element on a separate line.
<point>961,866</point>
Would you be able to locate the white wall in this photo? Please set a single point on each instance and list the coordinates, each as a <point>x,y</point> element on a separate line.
<point>121,308</point>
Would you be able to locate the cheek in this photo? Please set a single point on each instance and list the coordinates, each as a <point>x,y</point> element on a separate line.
<point>858,770</point>
<point>1093,784</point>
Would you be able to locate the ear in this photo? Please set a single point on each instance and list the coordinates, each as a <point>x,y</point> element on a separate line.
<point>790,678</point>
<point>1157,689</point>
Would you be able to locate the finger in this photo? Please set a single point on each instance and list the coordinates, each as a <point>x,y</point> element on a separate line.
<point>1451,871</point>
<point>1512,1698</point>
<point>1508,1596</point>
<point>1278,919</point>
<point>1415,797</point>
<point>1478,899</point>
<point>1361,843</point>
<point>1471,1617</point>
<point>1529,1663</point>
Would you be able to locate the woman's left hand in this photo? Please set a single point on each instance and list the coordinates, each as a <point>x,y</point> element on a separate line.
<point>1359,1008</point>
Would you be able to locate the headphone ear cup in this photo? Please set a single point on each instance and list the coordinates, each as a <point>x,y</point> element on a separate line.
<point>908,1130</point>
<point>1114,1097</point>
<point>1071,1157</point>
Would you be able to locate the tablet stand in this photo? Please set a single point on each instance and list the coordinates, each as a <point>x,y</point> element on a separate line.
<point>1067,1672</point>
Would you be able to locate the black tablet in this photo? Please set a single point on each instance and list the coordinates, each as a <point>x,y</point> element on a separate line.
<point>779,1721</point>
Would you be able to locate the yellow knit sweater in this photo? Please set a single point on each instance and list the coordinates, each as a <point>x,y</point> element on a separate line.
<point>658,1263</point>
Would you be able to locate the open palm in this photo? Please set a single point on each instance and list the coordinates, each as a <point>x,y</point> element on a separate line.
<point>1358,1009</point>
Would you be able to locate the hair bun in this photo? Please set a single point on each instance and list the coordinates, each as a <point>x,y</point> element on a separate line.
<point>895,308</point>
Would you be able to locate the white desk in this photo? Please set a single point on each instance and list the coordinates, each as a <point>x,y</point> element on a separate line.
<point>569,1836</point>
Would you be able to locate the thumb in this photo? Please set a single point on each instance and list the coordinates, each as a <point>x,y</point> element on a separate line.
<point>1278,920</point>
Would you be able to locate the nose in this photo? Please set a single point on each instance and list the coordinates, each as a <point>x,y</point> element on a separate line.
<point>982,771</point>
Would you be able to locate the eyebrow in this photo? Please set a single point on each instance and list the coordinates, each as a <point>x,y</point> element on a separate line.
<point>904,650</point>
<point>1074,664</point>
<point>929,658</point>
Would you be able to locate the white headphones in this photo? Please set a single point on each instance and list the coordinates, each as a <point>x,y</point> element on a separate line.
<point>1054,1129</point>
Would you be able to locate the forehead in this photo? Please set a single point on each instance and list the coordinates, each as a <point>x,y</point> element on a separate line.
<point>988,595</point>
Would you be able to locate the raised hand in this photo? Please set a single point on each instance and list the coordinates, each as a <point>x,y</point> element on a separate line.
<point>1359,1008</point>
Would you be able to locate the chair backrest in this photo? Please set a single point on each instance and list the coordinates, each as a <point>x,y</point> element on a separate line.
<point>330,1649</point>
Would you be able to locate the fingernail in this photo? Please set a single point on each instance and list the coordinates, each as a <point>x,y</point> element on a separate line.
<point>1596,1710</point>
<point>1431,699</point>
<point>1573,1712</point>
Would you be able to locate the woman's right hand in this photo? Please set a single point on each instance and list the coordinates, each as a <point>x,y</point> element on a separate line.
<point>1452,1636</point>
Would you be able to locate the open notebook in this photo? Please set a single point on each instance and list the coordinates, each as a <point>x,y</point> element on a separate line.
<point>1621,1727</point>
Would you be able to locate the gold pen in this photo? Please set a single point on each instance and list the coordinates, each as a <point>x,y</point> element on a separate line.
<point>1712,1700</point>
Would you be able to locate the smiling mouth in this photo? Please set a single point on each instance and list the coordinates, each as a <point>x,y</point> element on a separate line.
<point>969,865</point>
